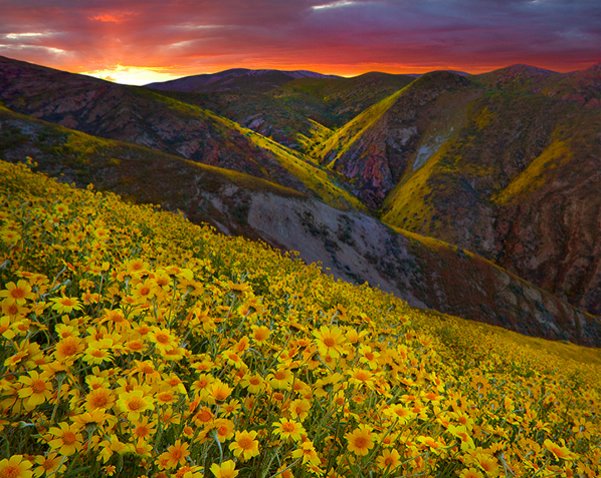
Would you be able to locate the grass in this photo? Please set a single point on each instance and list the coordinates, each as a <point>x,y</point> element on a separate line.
<point>338,143</point>
<point>556,154</point>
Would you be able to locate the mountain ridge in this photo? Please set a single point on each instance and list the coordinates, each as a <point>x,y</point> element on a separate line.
<point>145,117</point>
<point>228,79</point>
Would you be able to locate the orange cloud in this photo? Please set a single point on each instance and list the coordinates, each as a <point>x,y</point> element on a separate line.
<point>111,17</point>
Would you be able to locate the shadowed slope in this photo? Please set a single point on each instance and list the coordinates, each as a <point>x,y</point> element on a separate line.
<point>144,117</point>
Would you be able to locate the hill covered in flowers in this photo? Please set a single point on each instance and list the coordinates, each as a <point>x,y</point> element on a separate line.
<point>134,343</point>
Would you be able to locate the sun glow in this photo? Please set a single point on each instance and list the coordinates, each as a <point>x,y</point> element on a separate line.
<point>131,75</point>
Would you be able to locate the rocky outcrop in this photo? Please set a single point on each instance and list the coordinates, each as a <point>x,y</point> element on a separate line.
<point>551,234</point>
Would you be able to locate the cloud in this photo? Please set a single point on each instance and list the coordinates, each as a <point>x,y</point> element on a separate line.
<point>339,36</point>
<point>337,4</point>
<point>19,36</point>
<point>115,17</point>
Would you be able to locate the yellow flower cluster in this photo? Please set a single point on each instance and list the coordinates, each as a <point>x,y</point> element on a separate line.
<point>133,343</point>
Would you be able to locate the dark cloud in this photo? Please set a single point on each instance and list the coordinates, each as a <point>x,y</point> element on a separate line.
<point>345,36</point>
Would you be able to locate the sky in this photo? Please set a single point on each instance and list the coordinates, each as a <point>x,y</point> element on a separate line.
<point>140,41</point>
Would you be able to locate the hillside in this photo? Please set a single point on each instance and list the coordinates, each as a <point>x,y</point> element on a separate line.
<point>143,117</point>
<point>139,173</point>
<point>516,183</point>
<point>427,153</point>
<point>379,146</point>
<point>134,342</point>
<point>352,245</point>
<point>503,164</point>
<point>296,110</point>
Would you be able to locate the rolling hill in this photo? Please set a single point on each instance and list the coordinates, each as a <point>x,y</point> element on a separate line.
<point>352,245</point>
<point>143,117</point>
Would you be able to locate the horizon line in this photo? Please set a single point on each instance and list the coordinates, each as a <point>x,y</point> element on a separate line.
<point>105,74</point>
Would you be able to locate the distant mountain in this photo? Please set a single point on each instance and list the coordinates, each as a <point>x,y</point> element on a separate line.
<point>234,80</point>
<point>518,75</point>
<point>296,109</point>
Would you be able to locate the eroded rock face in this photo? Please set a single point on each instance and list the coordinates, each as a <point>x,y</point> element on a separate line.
<point>515,176</point>
<point>553,237</point>
<point>427,273</point>
<point>358,248</point>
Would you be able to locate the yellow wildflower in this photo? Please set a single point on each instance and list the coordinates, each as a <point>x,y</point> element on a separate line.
<point>175,455</point>
<point>388,460</point>
<point>245,445</point>
<point>289,429</point>
<point>226,470</point>
<point>560,452</point>
<point>36,389</point>
<point>330,341</point>
<point>18,293</point>
<point>15,467</point>
<point>134,403</point>
<point>65,305</point>
<point>67,439</point>
<point>360,440</point>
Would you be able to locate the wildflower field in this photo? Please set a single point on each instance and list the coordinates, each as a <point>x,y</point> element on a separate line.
<point>134,343</point>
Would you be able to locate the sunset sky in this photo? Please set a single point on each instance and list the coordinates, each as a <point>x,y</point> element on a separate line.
<point>135,41</point>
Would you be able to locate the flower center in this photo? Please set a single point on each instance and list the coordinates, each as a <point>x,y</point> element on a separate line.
<point>17,293</point>
<point>329,341</point>
<point>69,438</point>
<point>99,400</point>
<point>361,442</point>
<point>38,386</point>
<point>135,404</point>
<point>245,443</point>
<point>69,348</point>
<point>162,338</point>
<point>11,471</point>
<point>288,427</point>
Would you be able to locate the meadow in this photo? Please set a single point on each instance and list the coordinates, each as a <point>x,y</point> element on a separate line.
<point>135,343</point>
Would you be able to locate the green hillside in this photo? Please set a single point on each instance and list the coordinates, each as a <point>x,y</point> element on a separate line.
<point>339,142</point>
